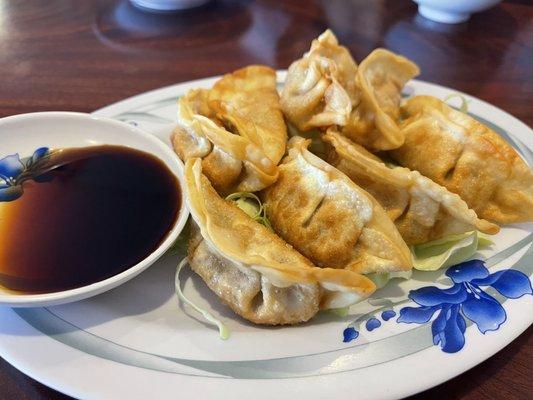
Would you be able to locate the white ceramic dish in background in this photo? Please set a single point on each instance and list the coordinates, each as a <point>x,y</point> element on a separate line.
<point>24,133</point>
<point>452,11</point>
<point>136,342</point>
<point>168,5</point>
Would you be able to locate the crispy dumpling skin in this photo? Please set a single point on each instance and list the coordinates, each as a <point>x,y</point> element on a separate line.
<point>255,272</point>
<point>236,127</point>
<point>421,209</point>
<point>330,219</point>
<point>247,292</point>
<point>320,88</point>
<point>466,157</point>
<point>252,91</point>
<point>326,88</point>
<point>380,79</point>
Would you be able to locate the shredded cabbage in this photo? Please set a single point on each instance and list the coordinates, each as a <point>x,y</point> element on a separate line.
<point>447,251</point>
<point>381,279</point>
<point>440,253</point>
<point>464,102</point>
<point>251,205</point>
<point>223,330</point>
<point>340,312</point>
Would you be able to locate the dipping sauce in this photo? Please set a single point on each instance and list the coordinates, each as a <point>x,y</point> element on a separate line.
<point>102,211</point>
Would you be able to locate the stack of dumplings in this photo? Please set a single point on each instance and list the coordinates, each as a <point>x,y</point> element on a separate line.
<point>236,128</point>
<point>326,88</point>
<point>336,218</point>
<point>254,271</point>
<point>421,209</point>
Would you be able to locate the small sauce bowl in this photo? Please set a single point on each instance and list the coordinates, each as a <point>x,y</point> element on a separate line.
<point>23,134</point>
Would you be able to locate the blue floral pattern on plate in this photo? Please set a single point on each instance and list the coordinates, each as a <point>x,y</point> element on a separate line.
<point>14,171</point>
<point>465,299</point>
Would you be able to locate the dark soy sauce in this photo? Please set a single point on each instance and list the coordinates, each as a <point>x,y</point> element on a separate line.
<point>104,210</point>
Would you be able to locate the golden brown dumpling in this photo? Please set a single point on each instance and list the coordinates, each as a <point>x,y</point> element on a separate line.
<point>236,127</point>
<point>330,219</point>
<point>380,79</point>
<point>320,88</point>
<point>326,88</point>
<point>252,92</point>
<point>421,209</point>
<point>247,292</point>
<point>468,158</point>
<point>252,270</point>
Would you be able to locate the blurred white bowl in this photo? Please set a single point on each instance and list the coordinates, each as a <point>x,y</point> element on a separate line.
<point>168,5</point>
<point>452,11</point>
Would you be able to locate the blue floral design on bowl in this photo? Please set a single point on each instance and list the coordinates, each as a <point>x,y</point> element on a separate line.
<point>14,171</point>
<point>465,299</point>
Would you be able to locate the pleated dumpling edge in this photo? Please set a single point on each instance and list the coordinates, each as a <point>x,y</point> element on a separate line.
<point>331,220</point>
<point>319,89</point>
<point>236,128</point>
<point>468,158</point>
<point>241,243</point>
<point>381,77</point>
<point>421,209</point>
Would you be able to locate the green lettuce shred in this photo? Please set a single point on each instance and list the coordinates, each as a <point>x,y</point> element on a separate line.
<point>447,251</point>
<point>223,330</point>
<point>252,206</point>
<point>440,253</point>
<point>381,279</point>
<point>464,102</point>
<point>340,312</point>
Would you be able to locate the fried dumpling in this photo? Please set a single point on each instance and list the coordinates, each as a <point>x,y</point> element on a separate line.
<point>421,209</point>
<point>236,127</point>
<point>255,272</point>
<point>380,79</point>
<point>466,157</point>
<point>252,91</point>
<point>326,88</point>
<point>320,87</point>
<point>331,220</point>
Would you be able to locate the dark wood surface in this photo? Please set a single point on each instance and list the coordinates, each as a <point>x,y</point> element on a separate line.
<point>83,55</point>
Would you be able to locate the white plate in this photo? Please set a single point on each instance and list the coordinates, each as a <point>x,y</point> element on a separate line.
<point>136,342</point>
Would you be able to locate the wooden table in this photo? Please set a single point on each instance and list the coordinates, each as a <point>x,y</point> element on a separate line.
<point>83,55</point>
